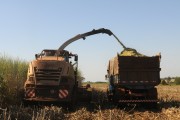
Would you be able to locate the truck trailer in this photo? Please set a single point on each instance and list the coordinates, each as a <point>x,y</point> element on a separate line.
<point>133,78</point>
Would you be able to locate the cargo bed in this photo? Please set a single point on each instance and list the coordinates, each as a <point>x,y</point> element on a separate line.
<point>135,71</point>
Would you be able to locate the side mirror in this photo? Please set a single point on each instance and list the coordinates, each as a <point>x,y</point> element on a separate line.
<point>36,56</point>
<point>106,77</point>
<point>76,58</point>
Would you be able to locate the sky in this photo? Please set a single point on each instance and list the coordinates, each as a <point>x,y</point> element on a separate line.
<point>149,26</point>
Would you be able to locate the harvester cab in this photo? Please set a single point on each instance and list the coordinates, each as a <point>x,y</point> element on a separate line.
<point>53,53</point>
<point>52,77</point>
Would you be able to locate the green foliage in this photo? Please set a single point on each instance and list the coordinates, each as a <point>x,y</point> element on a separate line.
<point>79,73</point>
<point>12,75</point>
<point>80,77</point>
<point>100,82</point>
<point>177,81</point>
<point>3,90</point>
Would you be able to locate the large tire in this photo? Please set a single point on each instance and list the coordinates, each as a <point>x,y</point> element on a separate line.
<point>72,104</point>
<point>152,95</point>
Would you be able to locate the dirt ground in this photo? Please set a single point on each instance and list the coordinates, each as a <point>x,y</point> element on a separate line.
<point>99,109</point>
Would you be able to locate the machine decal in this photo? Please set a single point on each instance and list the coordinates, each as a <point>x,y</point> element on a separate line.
<point>30,93</point>
<point>63,93</point>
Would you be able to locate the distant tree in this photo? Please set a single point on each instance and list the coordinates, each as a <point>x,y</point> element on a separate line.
<point>79,73</point>
<point>163,82</point>
<point>177,80</point>
<point>100,82</point>
<point>168,80</point>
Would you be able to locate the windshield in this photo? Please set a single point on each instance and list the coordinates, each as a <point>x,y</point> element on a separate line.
<point>48,53</point>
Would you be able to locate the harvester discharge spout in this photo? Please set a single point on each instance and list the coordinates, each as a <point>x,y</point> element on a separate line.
<point>84,35</point>
<point>119,41</point>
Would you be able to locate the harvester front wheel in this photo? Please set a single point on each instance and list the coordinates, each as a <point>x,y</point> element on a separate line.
<point>73,102</point>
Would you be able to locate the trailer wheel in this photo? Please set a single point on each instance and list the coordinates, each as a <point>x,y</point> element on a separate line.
<point>111,96</point>
<point>152,96</point>
<point>150,105</point>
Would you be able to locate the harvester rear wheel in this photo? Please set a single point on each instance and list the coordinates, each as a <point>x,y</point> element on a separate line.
<point>73,102</point>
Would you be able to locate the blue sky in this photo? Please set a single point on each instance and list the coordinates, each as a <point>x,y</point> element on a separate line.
<point>27,27</point>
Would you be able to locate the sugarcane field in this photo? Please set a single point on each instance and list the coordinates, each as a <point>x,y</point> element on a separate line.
<point>89,60</point>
